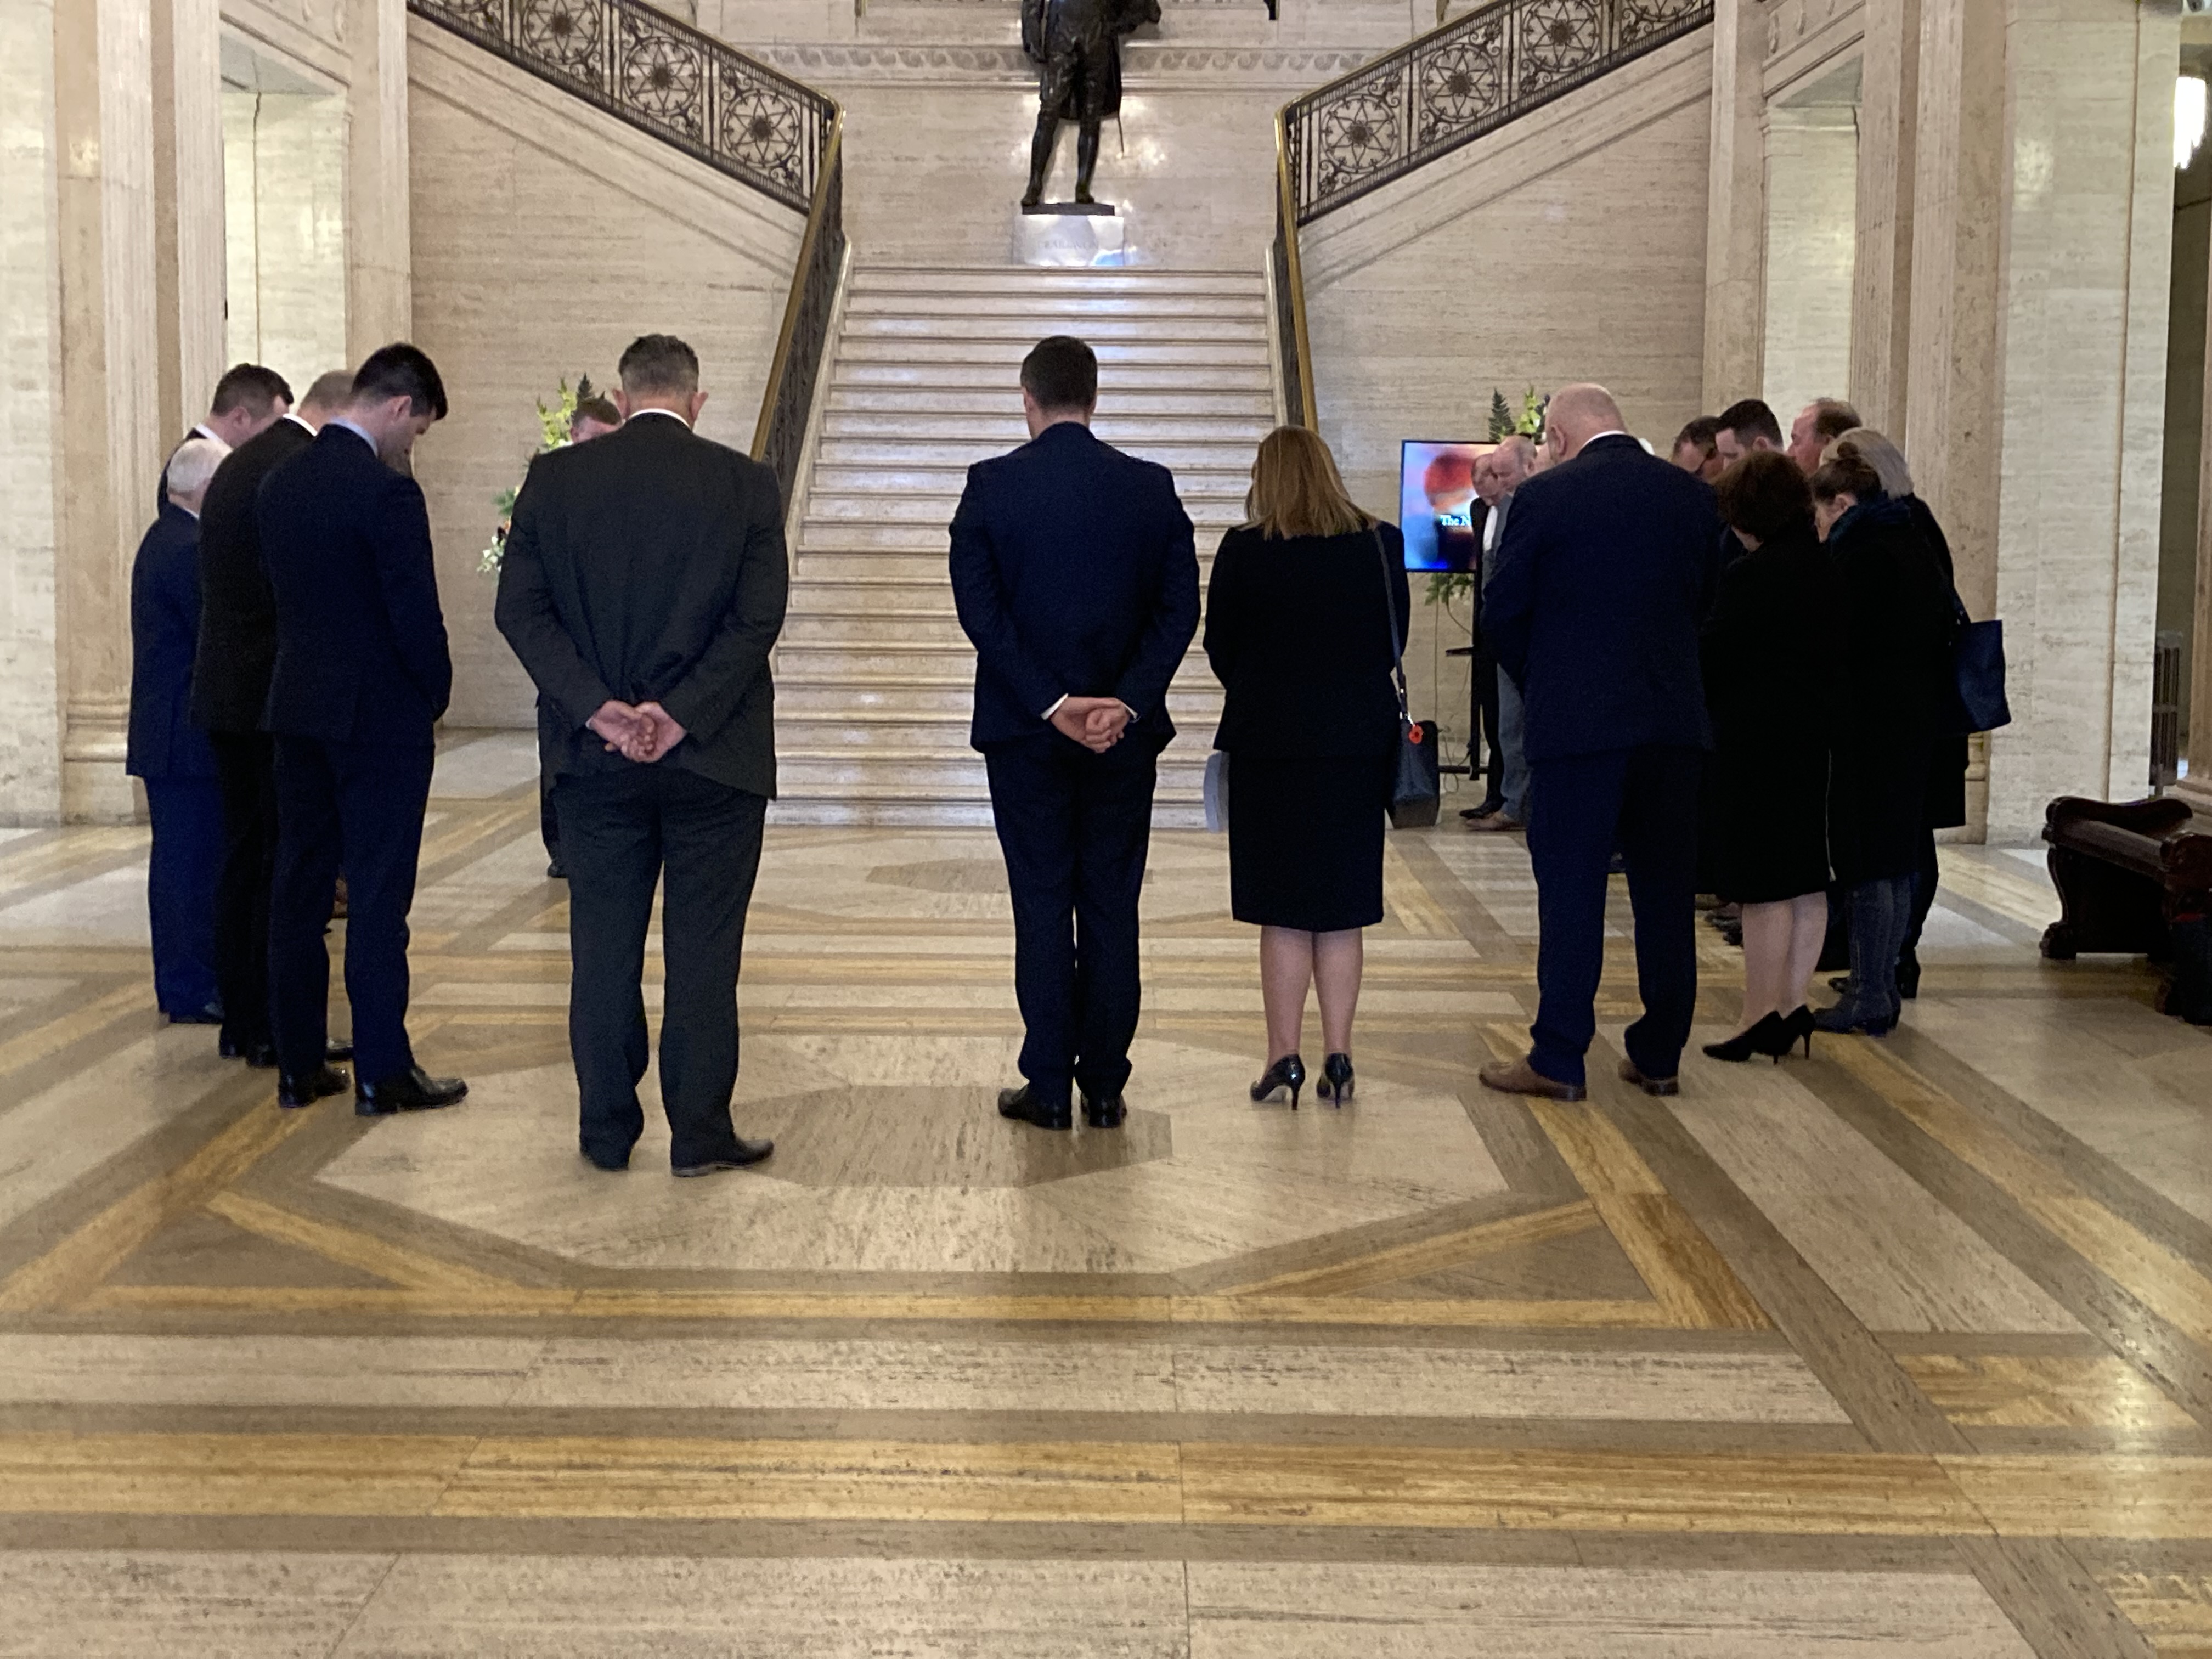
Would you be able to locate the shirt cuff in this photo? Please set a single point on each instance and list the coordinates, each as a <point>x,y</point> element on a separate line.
<point>1054,709</point>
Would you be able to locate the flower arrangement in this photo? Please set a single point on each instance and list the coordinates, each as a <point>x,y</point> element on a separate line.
<point>553,423</point>
<point>1445,585</point>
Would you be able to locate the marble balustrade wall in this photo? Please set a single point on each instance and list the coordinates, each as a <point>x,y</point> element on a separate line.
<point>546,238</point>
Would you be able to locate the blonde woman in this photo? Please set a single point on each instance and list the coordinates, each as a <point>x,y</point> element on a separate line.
<point>1304,618</point>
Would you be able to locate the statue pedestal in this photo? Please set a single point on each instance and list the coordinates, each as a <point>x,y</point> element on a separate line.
<point>1070,233</point>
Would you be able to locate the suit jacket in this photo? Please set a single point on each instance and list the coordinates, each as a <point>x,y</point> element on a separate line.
<point>1302,633</point>
<point>238,612</point>
<point>1605,571</point>
<point>165,620</point>
<point>360,643</point>
<point>1075,573</point>
<point>648,565</point>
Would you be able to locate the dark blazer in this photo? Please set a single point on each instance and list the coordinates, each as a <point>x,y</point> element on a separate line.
<point>1075,573</point>
<point>165,620</point>
<point>238,613</point>
<point>1299,631</point>
<point>360,643</point>
<point>1605,571</point>
<point>648,565</point>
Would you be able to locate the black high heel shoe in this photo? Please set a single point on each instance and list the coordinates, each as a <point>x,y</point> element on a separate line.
<point>1288,1073</point>
<point>1801,1024</point>
<point>1771,1035</point>
<point>1335,1080</point>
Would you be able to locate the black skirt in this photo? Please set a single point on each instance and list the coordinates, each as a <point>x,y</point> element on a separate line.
<point>1305,840</point>
<point>1767,823</point>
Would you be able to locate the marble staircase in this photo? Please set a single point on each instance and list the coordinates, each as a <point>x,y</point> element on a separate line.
<point>874,675</point>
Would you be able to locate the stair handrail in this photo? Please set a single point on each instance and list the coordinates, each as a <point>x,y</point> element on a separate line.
<point>1441,90</point>
<point>802,345</point>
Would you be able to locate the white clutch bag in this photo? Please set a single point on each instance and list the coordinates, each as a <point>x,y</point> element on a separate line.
<point>1217,792</point>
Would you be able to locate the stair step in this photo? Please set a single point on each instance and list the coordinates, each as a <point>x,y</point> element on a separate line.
<point>1000,430</point>
<point>1002,376</point>
<point>1200,455</point>
<point>950,700</point>
<point>1124,407</point>
<point>910,498</point>
<point>1081,310</point>
<point>986,279</point>
<point>1194,358</point>
<point>1025,328</point>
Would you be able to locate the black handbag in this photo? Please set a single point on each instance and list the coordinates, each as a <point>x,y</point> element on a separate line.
<point>1978,663</point>
<point>1416,793</point>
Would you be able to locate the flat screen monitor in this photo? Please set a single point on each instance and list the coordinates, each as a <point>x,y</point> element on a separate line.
<point>1437,505</point>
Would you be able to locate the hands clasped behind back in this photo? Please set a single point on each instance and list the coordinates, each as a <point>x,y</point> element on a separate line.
<point>643,733</point>
<point>1096,723</point>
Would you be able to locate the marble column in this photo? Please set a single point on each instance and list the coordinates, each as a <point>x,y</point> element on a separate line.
<point>1811,184</point>
<point>1735,208</point>
<point>112,428</point>
<point>2087,195</point>
<point>1881,278</point>
<point>188,219</point>
<point>379,259</point>
<point>31,440</point>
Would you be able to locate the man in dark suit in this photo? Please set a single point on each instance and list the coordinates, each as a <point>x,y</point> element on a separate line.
<point>643,588</point>
<point>361,676</point>
<point>230,692</point>
<point>1603,577</point>
<point>247,400</point>
<point>168,753</point>
<point>1076,577</point>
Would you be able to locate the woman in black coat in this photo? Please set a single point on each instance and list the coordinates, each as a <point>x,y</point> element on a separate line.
<point>1895,637</point>
<point>1305,615</point>
<point>1766,649</point>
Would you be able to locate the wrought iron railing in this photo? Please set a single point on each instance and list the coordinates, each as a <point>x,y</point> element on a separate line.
<point>1455,84</point>
<point>802,347</point>
<point>1446,88</point>
<point>654,71</point>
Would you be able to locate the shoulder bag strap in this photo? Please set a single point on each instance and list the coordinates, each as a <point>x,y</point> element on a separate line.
<point>1390,609</point>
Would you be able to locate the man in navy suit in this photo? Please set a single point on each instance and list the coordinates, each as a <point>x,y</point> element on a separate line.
<point>171,755</point>
<point>1602,578</point>
<point>1076,578</point>
<point>361,675</point>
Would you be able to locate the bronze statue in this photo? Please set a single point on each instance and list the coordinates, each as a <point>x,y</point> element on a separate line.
<point>1078,42</point>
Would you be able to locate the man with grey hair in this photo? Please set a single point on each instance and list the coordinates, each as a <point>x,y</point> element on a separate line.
<point>168,753</point>
<point>1604,576</point>
<point>1511,464</point>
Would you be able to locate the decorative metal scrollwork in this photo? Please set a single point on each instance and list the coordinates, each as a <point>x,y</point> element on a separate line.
<point>1457,82</point>
<point>659,73</point>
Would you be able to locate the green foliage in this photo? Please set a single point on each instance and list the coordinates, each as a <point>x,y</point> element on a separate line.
<point>1501,417</point>
<point>1445,585</point>
<point>553,423</point>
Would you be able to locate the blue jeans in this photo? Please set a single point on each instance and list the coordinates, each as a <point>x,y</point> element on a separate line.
<point>1882,913</point>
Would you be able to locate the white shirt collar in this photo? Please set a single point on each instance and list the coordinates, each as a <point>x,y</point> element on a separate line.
<point>1610,432</point>
<point>304,426</point>
<point>670,413</point>
<point>200,429</point>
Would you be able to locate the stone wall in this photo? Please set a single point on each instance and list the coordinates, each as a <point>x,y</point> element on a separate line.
<point>547,237</point>
<point>1812,182</point>
<point>284,176</point>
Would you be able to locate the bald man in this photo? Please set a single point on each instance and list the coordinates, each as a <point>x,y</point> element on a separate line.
<point>1602,577</point>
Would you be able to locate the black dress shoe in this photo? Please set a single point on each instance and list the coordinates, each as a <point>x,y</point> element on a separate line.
<point>210,1015</point>
<point>739,1154</point>
<point>1026,1104</point>
<point>292,1092</point>
<point>611,1165</point>
<point>1105,1113</point>
<point>335,1051</point>
<point>557,870</point>
<point>412,1091</point>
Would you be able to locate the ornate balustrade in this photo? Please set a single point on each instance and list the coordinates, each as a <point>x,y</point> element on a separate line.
<point>729,110</point>
<point>1446,88</point>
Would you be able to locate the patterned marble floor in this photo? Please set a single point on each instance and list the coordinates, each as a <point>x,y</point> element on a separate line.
<point>1906,1350</point>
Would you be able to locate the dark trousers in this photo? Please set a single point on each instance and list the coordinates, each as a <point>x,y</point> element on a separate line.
<point>1482,728</point>
<point>1645,802</point>
<point>358,805</point>
<point>1074,827</point>
<point>245,769</point>
<point>622,833</point>
<point>182,878</point>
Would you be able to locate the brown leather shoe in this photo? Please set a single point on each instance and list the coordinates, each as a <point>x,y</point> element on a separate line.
<point>1518,1077</point>
<point>1496,824</point>
<point>1650,1086</point>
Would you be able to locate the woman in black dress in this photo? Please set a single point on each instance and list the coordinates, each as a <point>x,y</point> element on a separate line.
<point>1896,633</point>
<point>1306,614</point>
<point>1766,664</point>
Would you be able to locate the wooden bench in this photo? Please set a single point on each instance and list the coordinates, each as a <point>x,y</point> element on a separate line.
<point>2136,879</point>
